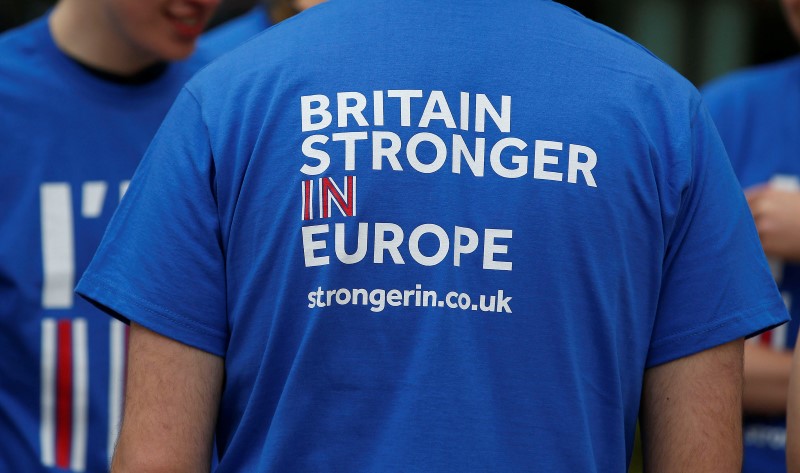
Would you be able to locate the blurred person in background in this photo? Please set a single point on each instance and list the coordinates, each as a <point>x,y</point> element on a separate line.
<point>793,418</point>
<point>435,235</point>
<point>757,112</point>
<point>82,91</point>
<point>238,30</point>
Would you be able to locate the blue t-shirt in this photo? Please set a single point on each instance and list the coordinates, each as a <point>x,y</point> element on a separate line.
<point>757,112</point>
<point>70,143</point>
<point>450,237</point>
<point>233,33</point>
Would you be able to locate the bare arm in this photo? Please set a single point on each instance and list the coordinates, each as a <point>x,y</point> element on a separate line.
<point>171,405</point>
<point>793,419</point>
<point>691,413</point>
<point>766,380</point>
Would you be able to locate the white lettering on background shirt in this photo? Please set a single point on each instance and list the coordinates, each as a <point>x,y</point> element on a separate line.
<point>64,417</point>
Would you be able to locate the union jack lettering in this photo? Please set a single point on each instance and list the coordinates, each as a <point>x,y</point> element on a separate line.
<point>330,193</point>
<point>308,207</point>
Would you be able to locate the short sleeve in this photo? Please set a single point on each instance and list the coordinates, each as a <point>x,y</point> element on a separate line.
<point>161,261</point>
<point>716,285</point>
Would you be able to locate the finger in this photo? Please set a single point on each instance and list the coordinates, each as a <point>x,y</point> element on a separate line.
<point>753,193</point>
<point>756,204</point>
<point>760,208</point>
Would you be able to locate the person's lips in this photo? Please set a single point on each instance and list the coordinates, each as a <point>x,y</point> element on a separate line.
<point>188,26</point>
<point>189,18</point>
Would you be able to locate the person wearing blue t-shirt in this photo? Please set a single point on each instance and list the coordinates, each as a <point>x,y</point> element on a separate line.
<point>82,92</point>
<point>434,236</point>
<point>757,116</point>
<point>238,30</point>
<point>793,417</point>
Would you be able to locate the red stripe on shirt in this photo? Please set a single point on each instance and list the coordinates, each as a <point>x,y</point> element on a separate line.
<point>64,394</point>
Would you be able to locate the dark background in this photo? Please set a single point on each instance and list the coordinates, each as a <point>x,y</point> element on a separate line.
<point>702,39</point>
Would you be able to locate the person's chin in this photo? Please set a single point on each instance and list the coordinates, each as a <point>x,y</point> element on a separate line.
<point>174,49</point>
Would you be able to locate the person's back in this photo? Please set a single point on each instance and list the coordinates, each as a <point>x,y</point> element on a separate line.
<point>73,133</point>
<point>452,236</point>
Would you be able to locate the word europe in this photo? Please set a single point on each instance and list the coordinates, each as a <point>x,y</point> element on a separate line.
<point>428,152</point>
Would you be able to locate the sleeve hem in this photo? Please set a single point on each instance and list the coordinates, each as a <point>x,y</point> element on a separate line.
<point>127,308</point>
<point>743,324</point>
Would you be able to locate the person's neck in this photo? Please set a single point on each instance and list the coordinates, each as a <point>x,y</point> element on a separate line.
<point>279,11</point>
<point>84,34</point>
<point>142,77</point>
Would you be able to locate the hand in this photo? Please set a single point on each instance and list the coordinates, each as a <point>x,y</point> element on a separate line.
<point>777,216</point>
